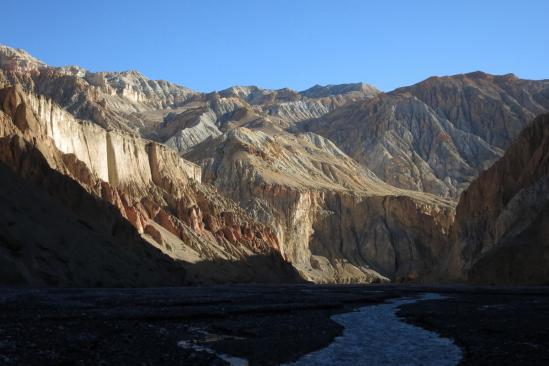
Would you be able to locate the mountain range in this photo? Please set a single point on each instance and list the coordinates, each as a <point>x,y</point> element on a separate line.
<point>113,179</point>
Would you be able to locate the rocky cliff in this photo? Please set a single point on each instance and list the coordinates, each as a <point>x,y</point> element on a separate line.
<point>337,221</point>
<point>435,136</point>
<point>146,190</point>
<point>501,230</point>
<point>343,182</point>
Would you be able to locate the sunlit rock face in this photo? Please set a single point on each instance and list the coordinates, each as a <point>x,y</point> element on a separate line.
<point>155,194</point>
<point>336,221</point>
<point>116,157</point>
<point>323,91</point>
<point>129,101</point>
<point>18,60</point>
<point>110,99</point>
<point>502,221</point>
<point>345,182</point>
<point>438,135</point>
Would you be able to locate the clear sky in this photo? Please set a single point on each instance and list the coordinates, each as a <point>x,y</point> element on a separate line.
<point>209,45</point>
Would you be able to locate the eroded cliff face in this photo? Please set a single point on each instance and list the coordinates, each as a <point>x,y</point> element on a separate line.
<point>163,111</point>
<point>345,182</point>
<point>155,192</point>
<point>494,107</point>
<point>110,99</point>
<point>337,221</point>
<point>438,135</point>
<point>501,229</point>
<point>435,136</point>
<point>115,156</point>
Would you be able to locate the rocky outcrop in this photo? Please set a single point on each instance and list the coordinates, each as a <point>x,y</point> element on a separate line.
<point>336,221</point>
<point>44,243</point>
<point>151,189</point>
<point>18,60</point>
<point>501,229</point>
<point>438,135</point>
<point>116,157</point>
<point>493,107</point>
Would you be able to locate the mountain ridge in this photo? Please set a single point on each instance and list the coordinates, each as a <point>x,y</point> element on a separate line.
<point>339,183</point>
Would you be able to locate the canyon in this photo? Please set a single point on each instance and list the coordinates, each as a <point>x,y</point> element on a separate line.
<point>141,182</point>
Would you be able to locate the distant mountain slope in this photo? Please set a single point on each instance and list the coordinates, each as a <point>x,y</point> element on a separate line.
<point>131,102</point>
<point>437,135</point>
<point>322,91</point>
<point>106,98</point>
<point>495,108</point>
<point>501,230</point>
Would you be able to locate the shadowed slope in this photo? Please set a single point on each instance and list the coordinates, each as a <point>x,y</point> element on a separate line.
<point>501,232</point>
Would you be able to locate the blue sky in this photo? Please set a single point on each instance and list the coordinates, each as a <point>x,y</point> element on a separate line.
<point>210,45</point>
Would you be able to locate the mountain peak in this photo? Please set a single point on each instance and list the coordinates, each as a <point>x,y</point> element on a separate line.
<point>320,91</point>
<point>254,94</point>
<point>18,59</point>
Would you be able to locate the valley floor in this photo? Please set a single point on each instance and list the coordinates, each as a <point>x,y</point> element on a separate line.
<point>266,325</point>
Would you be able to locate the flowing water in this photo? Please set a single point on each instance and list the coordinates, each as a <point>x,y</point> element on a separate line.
<point>374,335</point>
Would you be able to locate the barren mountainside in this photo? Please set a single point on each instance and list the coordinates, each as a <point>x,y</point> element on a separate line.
<point>154,196</point>
<point>334,218</point>
<point>501,232</point>
<point>438,135</point>
<point>334,184</point>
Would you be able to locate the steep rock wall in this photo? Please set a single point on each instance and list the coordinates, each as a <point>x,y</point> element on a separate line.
<point>500,231</point>
<point>335,221</point>
<point>116,157</point>
<point>210,236</point>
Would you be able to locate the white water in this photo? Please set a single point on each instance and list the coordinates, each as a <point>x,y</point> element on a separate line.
<point>374,335</point>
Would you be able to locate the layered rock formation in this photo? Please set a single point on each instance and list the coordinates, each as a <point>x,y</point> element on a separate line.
<point>337,221</point>
<point>438,135</point>
<point>144,188</point>
<point>501,231</point>
<point>344,182</point>
<point>160,110</point>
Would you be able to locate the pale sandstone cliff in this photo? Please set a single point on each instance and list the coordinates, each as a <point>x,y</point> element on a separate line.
<point>501,232</point>
<point>150,187</point>
<point>116,157</point>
